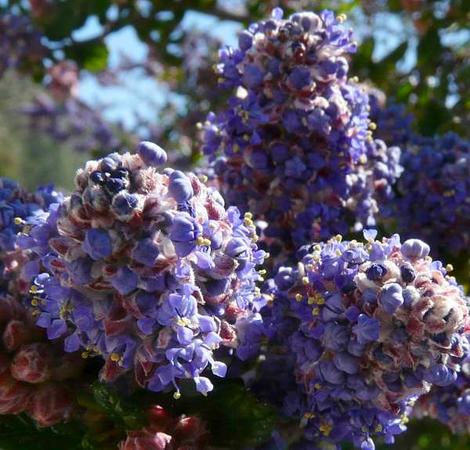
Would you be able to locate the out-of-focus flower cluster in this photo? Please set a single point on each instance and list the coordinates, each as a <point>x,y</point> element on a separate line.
<point>434,192</point>
<point>166,432</point>
<point>372,327</point>
<point>450,404</point>
<point>149,270</point>
<point>295,138</point>
<point>20,43</point>
<point>433,200</point>
<point>73,122</point>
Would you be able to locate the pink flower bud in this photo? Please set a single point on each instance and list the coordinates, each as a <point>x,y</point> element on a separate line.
<point>32,363</point>
<point>51,404</point>
<point>14,395</point>
<point>16,334</point>
<point>146,440</point>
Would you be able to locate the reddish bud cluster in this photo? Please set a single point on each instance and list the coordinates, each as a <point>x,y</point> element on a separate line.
<point>31,369</point>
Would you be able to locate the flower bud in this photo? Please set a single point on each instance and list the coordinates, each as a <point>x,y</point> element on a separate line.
<point>51,404</point>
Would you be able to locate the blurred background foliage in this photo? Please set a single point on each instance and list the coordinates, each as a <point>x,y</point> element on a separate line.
<point>416,51</point>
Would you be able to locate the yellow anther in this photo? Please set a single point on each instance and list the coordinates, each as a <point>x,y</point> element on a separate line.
<point>203,178</point>
<point>449,193</point>
<point>311,300</point>
<point>315,311</point>
<point>299,297</point>
<point>199,126</point>
<point>317,386</point>
<point>326,428</point>
<point>33,289</point>
<point>372,125</point>
<point>177,395</point>
<point>248,222</point>
<point>354,79</point>
<point>378,428</point>
<point>115,357</point>
<point>338,238</point>
<point>34,302</point>
<point>18,221</point>
<point>305,280</point>
<point>309,415</point>
<point>449,267</point>
<point>203,241</point>
<point>262,271</point>
<point>317,247</point>
<point>85,355</point>
<point>341,18</point>
<point>320,300</point>
<point>235,148</point>
<point>338,252</point>
<point>248,215</point>
<point>363,159</point>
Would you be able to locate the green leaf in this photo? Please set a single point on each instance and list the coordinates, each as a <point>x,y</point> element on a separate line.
<point>92,55</point>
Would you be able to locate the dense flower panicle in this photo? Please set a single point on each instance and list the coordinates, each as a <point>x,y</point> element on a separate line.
<point>434,192</point>
<point>294,145</point>
<point>166,432</point>
<point>372,327</point>
<point>33,370</point>
<point>148,269</point>
<point>449,404</point>
<point>17,208</point>
<point>20,43</point>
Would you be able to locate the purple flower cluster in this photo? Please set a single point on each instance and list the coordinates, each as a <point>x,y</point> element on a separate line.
<point>148,269</point>
<point>20,43</point>
<point>294,145</point>
<point>434,192</point>
<point>450,404</point>
<point>371,327</point>
<point>17,208</point>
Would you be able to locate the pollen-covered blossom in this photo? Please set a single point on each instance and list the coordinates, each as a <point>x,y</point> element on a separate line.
<point>294,144</point>
<point>148,268</point>
<point>20,43</point>
<point>371,327</point>
<point>449,404</point>
<point>434,189</point>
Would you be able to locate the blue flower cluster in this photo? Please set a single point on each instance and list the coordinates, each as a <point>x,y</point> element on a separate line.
<point>369,327</point>
<point>17,207</point>
<point>434,192</point>
<point>148,269</point>
<point>294,145</point>
<point>450,404</point>
<point>20,43</point>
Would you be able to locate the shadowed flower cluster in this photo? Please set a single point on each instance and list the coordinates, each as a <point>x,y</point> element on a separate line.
<point>148,269</point>
<point>371,327</point>
<point>294,145</point>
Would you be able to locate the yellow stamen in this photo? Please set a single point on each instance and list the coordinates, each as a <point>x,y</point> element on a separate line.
<point>177,395</point>
<point>299,297</point>
<point>115,357</point>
